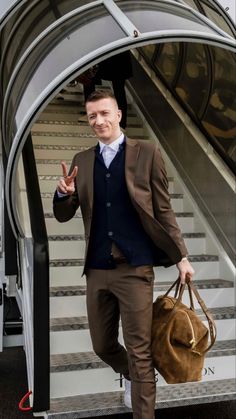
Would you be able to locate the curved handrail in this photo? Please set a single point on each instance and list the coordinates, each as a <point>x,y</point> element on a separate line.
<point>227,17</point>
<point>40,280</point>
<point>17,23</point>
<point>33,46</point>
<point>8,10</point>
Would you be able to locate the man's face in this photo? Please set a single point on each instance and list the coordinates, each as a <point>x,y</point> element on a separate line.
<point>104,118</point>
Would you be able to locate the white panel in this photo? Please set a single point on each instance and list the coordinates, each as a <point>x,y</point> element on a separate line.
<point>67,306</point>
<point>70,341</point>
<point>70,275</point>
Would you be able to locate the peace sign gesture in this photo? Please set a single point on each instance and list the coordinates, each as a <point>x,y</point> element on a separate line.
<point>66,183</point>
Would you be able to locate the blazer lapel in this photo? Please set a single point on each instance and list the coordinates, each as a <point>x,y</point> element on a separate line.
<point>131,156</point>
<point>87,173</point>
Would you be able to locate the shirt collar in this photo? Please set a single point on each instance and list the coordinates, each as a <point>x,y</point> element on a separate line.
<point>114,145</point>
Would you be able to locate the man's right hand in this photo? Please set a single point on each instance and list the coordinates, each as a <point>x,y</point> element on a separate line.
<point>66,184</point>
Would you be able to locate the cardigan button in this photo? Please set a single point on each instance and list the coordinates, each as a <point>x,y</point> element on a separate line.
<point>110,233</point>
<point>108,175</point>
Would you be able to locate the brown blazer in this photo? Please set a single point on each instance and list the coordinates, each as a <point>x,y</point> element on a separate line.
<point>148,189</point>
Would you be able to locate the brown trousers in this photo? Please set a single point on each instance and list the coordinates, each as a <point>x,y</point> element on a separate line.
<point>125,292</point>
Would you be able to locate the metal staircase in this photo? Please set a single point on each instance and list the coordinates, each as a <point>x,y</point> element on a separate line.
<point>81,384</point>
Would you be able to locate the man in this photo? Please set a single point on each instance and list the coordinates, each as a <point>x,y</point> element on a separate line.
<point>121,187</point>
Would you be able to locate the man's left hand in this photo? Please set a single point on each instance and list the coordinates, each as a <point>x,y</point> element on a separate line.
<point>185,270</point>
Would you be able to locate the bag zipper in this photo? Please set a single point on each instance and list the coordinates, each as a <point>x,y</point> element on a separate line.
<point>193,340</point>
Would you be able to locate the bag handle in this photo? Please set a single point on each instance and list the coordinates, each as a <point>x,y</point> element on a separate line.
<point>179,290</point>
<point>211,323</point>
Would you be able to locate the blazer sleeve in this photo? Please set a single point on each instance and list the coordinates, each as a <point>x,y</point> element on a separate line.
<point>64,208</point>
<point>163,211</point>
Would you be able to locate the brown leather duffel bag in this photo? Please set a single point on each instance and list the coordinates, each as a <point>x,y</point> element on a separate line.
<point>179,337</point>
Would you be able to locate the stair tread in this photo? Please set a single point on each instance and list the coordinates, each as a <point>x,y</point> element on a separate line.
<point>51,194</point>
<point>58,101</point>
<point>80,262</point>
<point>58,109</point>
<point>70,290</point>
<point>90,405</point>
<point>78,215</point>
<point>58,177</point>
<point>76,323</point>
<point>81,237</point>
<point>64,146</point>
<point>89,360</point>
<point>72,123</point>
<point>74,134</point>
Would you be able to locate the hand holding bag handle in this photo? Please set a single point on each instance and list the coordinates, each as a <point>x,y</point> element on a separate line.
<point>179,290</point>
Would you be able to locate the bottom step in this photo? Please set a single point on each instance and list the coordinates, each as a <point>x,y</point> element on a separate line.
<point>100,404</point>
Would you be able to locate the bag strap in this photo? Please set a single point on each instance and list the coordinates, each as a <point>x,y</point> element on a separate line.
<point>211,323</point>
<point>175,284</point>
<point>179,290</point>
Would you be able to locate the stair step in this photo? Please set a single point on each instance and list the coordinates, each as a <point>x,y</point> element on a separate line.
<point>73,373</point>
<point>49,182</point>
<point>76,237</point>
<point>80,262</point>
<point>79,340</point>
<point>68,105</point>
<point>63,147</point>
<point>71,301</point>
<point>72,276</point>
<point>70,247</point>
<point>76,323</point>
<point>75,131</point>
<point>78,214</point>
<point>74,268</point>
<point>159,286</point>
<point>68,323</point>
<point>208,270</point>
<point>75,248</point>
<point>71,383</point>
<point>67,109</point>
<point>48,177</point>
<point>65,126</point>
<point>185,219</point>
<point>172,196</point>
<point>75,361</point>
<point>47,152</point>
<point>89,360</point>
<point>112,403</point>
<point>57,117</point>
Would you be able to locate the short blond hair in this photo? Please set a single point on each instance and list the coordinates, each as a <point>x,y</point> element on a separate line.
<point>100,94</point>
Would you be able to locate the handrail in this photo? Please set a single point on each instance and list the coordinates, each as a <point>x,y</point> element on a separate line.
<point>41,390</point>
<point>9,239</point>
<point>8,10</point>
<point>189,151</point>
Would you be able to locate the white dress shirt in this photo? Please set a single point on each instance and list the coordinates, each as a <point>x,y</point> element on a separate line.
<point>109,151</point>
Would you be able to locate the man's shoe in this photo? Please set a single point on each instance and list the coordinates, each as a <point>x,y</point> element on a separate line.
<point>127,394</point>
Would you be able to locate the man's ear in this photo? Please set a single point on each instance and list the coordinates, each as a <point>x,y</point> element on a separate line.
<point>119,114</point>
